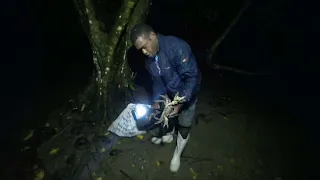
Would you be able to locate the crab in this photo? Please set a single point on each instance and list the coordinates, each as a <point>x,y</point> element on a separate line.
<point>168,107</point>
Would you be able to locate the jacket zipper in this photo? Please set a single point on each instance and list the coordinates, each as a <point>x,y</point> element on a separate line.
<point>157,58</point>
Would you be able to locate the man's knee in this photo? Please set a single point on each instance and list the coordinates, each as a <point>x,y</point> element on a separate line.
<point>187,116</point>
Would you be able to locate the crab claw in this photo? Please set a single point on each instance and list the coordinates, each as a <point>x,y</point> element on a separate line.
<point>164,96</point>
<point>165,124</point>
<point>180,98</point>
<point>158,122</point>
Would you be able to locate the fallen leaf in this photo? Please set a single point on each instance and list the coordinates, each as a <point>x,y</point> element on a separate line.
<point>157,163</point>
<point>47,125</point>
<point>99,178</point>
<point>106,134</point>
<point>220,167</point>
<point>140,137</point>
<point>54,151</point>
<point>131,86</point>
<point>103,149</point>
<point>39,175</point>
<point>194,174</point>
<point>83,106</point>
<point>30,134</point>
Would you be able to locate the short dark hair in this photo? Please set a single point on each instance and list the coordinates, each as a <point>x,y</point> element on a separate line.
<point>139,30</point>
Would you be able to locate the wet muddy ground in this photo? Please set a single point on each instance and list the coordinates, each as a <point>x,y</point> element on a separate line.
<point>239,133</point>
<point>233,137</point>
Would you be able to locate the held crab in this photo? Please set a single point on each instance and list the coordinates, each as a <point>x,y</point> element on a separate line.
<point>168,107</point>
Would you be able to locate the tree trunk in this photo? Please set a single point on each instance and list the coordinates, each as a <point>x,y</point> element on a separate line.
<point>214,47</point>
<point>94,108</point>
<point>109,49</point>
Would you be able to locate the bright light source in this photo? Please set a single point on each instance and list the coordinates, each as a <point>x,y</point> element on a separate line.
<point>140,110</point>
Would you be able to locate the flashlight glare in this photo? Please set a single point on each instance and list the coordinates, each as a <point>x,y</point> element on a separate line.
<point>140,110</point>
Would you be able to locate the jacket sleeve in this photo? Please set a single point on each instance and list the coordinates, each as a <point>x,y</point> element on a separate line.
<point>187,69</point>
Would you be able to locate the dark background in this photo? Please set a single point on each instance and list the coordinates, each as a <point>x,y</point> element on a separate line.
<point>46,58</point>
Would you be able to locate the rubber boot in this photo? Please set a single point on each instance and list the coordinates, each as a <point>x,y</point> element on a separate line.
<point>168,138</point>
<point>175,162</point>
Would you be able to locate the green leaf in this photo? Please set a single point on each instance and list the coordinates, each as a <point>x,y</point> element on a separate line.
<point>131,86</point>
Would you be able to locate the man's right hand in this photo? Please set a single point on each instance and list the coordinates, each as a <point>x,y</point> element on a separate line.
<point>155,106</point>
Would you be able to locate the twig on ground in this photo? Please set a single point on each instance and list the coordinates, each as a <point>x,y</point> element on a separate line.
<point>219,113</point>
<point>125,174</point>
<point>68,127</point>
<point>196,158</point>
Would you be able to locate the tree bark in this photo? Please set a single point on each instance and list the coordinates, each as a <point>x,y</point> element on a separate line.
<point>139,15</point>
<point>109,50</point>
<point>90,113</point>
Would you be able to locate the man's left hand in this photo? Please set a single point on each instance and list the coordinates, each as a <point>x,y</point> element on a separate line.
<point>176,110</point>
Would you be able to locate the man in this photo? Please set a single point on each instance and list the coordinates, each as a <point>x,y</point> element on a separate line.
<point>174,69</point>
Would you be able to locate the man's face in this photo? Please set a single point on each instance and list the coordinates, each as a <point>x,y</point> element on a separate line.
<point>148,44</point>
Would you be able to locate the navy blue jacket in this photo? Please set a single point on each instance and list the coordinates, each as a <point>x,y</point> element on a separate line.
<point>174,69</point>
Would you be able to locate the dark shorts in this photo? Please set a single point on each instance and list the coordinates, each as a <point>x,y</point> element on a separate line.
<point>186,117</point>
